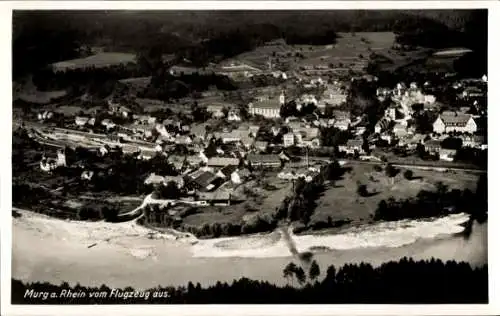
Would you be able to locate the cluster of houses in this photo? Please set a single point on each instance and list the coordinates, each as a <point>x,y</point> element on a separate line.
<point>396,126</point>
<point>48,164</point>
<point>213,177</point>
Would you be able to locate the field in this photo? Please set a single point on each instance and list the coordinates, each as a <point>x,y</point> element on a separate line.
<point>99,60</point>
<point>352,50</point>
<point>41,97</point>
<point>341,202</point>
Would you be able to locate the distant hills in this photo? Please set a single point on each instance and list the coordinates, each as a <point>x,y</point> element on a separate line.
<point>200,33</point>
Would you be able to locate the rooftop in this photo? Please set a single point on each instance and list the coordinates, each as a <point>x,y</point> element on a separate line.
<point>263,158</point>
<point>272,103</point>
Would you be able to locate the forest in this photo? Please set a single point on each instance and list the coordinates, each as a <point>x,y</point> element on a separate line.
<point>404,282</point>
<point>207,36</point>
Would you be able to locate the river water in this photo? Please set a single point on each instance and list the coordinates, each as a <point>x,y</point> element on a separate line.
<point>56,251</point>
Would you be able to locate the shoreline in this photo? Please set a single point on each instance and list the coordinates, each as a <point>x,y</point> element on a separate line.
<point>126,254</point>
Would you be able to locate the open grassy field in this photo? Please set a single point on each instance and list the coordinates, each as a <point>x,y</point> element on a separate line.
<point>341,202</point>
<point>351,50</point>
<point>98,61</point>
<point>41,97</point>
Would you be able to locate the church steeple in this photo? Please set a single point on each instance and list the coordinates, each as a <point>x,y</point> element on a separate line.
<point>282,98</point>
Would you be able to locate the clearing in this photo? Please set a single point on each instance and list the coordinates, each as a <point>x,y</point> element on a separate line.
<point>342,202</point>
<point>100,60</point>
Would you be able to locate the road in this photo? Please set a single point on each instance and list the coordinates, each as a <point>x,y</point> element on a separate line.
<point>148,200</point>
<point>421,165</point>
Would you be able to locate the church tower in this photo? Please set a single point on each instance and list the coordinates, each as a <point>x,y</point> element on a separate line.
<point>61,158</point>
<point>282,98</point>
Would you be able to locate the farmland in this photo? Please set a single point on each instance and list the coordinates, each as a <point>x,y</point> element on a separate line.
<point>350,51</point>
<point>341,202</point>
<point>100,60</point>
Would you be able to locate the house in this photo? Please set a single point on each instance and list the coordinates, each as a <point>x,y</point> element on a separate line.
<point>294,174</point>
<point>275,130</point>
<point>288,139</point>
<point>219,197</point>
<point>216,110</point>
<point>447,154</point>
<point>390,113</point>
<point>342,124</point>
<point>222,162</point>
<point>269,108</point>
<point>226,171</point>
<point>240,70</point>
<point>178,162</point>
<point>454,122</point>
<point>382,125</point>
<point>360,130</point>
<point>140,130</point>
<point>472,92</point>
<point>308,99</point>
<point>400,130</point>
<point>233,136</point>
<point>48,164</point>
<point>81,120</point>
<point>412,142</point>
<point>144,119</point>
<point>261,145</point>
<point>253,130</point>
<point>341,115</point>
<point>432,146</point>
<point>161,129</point>
<point>116,108</point>
<point>104,150</point>
<point>108,123</point>
<point>352,146</point>
<point>146,154</point>
<point>233,116</point>
<point>332,96</point>
<point>387,137</point>
<point>287,174</point>
<point>87,175</point>
<point>203,180</point>
<point>310,142</point>
<point>194,160</point>
<point>183,140</point>
<point>257,160</point>
<point>179,181</point>
<point>230,173</point>
<point>474,141</point>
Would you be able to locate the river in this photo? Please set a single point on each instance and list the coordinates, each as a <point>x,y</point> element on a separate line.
<point>119,255</point>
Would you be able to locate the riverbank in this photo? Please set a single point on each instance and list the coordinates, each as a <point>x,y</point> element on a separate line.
<point>127,254</point>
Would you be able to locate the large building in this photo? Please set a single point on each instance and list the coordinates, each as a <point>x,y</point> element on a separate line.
<point>454,122</point>
<point>269,108</point>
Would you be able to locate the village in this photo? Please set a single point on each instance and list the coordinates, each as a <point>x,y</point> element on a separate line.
<point>218,151</point>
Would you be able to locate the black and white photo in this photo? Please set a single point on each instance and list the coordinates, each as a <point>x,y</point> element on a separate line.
<point>249,156</point>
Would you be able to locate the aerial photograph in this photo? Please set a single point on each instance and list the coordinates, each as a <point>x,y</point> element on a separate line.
<point>249,157</point>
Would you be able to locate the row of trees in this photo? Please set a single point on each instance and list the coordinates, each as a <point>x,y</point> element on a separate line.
<point>404,282</point>
<point>292,270</point>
